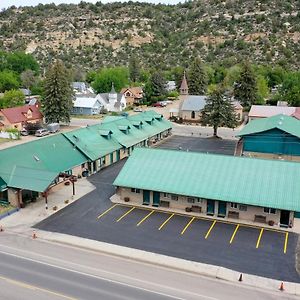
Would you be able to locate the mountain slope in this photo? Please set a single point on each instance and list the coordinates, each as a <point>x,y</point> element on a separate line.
<point>91,36</point>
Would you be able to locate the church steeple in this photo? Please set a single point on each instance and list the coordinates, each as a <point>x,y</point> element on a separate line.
<point>112,96</point>
<point>113,91</point>
<point>184,89</point>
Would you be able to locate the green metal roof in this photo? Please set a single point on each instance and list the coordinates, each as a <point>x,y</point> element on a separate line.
<point>259,182</point>
<point>91,141</point>
<point>3,185</point>
<point>285,123</point>
<point>31,179</point>
<point>51,154</point>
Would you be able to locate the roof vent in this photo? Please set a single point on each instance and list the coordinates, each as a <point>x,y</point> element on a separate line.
<point>280,123</point>
<point>36,158</point>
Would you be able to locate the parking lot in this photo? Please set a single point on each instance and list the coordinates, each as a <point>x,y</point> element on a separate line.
<point>198,144</point>
<point>242,248</point>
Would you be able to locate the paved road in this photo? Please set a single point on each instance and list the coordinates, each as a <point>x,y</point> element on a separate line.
<point>34,270</point>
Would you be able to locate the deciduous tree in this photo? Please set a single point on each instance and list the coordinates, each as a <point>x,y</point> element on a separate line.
<point>12,98</point>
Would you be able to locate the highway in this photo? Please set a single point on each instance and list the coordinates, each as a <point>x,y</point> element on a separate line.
<point>34,269</point>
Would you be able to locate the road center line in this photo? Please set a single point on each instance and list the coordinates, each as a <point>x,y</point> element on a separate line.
<point>105,212</point>
<point>145,218</point>
<point>123,216</point>
<point>210,229</point>
<point>187,225</point>
<point>259,238</point>
<point>234,233</point>
<point>165,222</point>
<point>286,242</point>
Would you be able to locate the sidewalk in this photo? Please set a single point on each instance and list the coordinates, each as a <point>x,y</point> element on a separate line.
<point>25,218</point>
<point>296,228</point>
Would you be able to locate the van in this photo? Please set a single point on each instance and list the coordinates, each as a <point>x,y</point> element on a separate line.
<point>41,132</point>
<point>53,127</point>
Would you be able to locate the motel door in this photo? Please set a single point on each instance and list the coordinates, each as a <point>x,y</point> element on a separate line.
<point>284,218</point>
<point>210,207</point>
<point>156,198</point>
<point>111,158</point>
<point>118,155</point>
<point>222,209</point>
<point>146,197</point>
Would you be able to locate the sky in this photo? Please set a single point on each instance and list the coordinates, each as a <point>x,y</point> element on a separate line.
<point>8,3</point>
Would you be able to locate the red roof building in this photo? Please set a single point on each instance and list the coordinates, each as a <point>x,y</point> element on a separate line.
<point>16,117</point>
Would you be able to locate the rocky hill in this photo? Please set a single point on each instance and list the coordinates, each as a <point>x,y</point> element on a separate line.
<point>89,36</point>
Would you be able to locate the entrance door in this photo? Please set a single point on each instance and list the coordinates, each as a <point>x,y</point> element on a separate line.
<point>146,197</point>
<point>111,158</point>
<point>95,166</point>
<point>156,198</point>
<point>284,218</point>
<point>118,155</point>
<point>222,209</point>
<point>210,207</point>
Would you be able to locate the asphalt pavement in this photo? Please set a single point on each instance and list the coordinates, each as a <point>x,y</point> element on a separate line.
<point>35,269</point>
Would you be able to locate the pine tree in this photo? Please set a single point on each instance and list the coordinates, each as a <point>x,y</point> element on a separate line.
<point>134,69</point>
<point>219,111</point>
<point>155,87</point>
<point>245,89</point>
<point>197,78</point>
<point>57,103</point>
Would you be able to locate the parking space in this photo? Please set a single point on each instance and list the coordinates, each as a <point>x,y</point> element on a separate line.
<point>198,144</point>
<point>197,227</point>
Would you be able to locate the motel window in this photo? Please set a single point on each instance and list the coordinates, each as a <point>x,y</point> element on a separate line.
<point>190,200</point>
<point>233,205</point>
<point>137,191</point>
<point>166,195</point>
<point>243,207</point>
<point>268,210</point>
<point>174,197</point>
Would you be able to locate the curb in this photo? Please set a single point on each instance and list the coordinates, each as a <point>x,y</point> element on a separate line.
<point>8,213</point>
<point>174,263</point>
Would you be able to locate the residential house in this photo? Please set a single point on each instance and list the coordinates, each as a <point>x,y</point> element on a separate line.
<point>133,95</point>
<point>79,87</point>
<point>87,105</point>
<point>17,117</point>
<point>266,111</point>
<point>276,137</point>
<point>212,185</point>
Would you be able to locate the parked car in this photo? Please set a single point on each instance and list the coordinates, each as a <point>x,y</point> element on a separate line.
<point>53,127</point>
<point>163,103</point>
<point>137,109</point>
<point>41,132</point>
<point>157,104</point>
<point>24,132</point>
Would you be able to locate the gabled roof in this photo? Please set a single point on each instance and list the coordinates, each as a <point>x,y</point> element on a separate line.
<point>281,122</point>
<point>194,103</point>
<point>53,154</point>
<point>265,111</point>
<point>259,182</point>
<point>136,91</point>
<point>105,97</point>
<point>86,102</point>
<point>18,114</point>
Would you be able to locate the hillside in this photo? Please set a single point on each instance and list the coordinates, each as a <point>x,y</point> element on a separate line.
<point>90,36</point>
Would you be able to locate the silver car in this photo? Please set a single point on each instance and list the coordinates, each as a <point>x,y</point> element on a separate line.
<point>41,132</point>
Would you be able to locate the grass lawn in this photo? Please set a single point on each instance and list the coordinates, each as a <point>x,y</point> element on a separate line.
<point>2,140</point>
<point>88,116</point>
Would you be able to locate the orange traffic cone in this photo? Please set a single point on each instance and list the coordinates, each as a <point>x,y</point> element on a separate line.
<point>241,277</point>
<point>34,235</point>
<point>1,228</point>
<point>281,288</point>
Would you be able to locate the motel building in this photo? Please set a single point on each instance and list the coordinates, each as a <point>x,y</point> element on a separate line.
<point>248,189</point>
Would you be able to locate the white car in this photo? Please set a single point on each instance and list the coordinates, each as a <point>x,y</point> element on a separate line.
<point>41,132</point>
<point>137,109</point>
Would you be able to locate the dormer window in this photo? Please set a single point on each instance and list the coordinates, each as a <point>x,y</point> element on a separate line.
<point>137,124</point>
<point>149,121</point>
<point>105,133</point>
<point>124,128</point>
